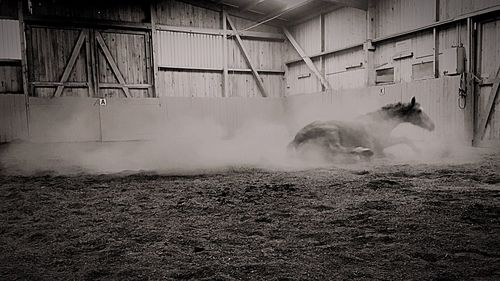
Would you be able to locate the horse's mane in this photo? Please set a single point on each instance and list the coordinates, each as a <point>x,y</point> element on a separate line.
<point>392,110</point>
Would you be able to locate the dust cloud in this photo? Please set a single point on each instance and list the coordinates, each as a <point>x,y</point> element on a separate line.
<point>197,145</point>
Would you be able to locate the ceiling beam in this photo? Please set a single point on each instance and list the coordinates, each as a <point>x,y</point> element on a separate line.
<point>278,13</point>
<point>359,4</point>
<point>251,5</point>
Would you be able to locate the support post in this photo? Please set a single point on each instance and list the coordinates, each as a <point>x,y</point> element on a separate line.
<point>154,45</point>
<point>306,59</point>
<point>435,40</point>
<point>368,47</point>
<point>225,74</point>
<point>24,63</point>
<point>322,38</point>
<point>247,57</point>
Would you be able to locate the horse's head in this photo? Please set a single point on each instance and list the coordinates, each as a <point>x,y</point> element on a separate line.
<point>414,114</point>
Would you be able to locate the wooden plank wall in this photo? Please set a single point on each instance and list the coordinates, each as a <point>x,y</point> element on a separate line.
<point>393,16</point>
<point>343,28</point>
<point>191,64</point>
<point>452,8</point>
<point>125,11</point>
<point>13,123</point>
<point>487,67</point>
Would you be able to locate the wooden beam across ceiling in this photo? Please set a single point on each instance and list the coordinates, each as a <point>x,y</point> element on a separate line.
<point>359,4</point>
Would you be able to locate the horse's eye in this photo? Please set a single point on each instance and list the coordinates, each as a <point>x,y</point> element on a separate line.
<point>419,110</point>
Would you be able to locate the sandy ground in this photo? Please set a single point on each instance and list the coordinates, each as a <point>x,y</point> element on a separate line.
<point>372,222</point>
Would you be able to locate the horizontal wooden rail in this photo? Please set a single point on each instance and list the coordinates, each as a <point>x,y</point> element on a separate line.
<point>217,69</point>
<point>43,84</point>
<point>220,32</point>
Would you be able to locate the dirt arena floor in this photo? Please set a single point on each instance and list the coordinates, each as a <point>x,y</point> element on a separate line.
<point>376,222</point>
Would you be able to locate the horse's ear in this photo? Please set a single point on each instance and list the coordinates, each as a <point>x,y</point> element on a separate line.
<point>413,102</point>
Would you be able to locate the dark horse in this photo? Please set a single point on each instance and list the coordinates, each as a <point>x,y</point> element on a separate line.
<point>366,136</point>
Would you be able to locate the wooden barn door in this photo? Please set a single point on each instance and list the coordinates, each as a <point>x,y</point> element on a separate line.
<point>488,96</point>
<point>59,61</point>
<point>123,64</point>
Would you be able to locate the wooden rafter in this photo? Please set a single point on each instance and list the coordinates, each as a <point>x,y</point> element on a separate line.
<point>306,59</point>
<point>71,63</point>
<point>112,63</point>
<point>489,106</point>
<point>247,57</point>
<point>358,4</point>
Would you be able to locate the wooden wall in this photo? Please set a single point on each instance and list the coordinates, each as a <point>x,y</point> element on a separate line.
<point>13,125</point>
<point>342,28</point>
<point>191,64</point>
<point>487,68</point>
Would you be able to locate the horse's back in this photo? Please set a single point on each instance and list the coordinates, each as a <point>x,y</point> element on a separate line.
<point>343,132</point>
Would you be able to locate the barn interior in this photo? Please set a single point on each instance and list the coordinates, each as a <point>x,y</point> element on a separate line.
<point>147,140</point>
<point>120,71</point>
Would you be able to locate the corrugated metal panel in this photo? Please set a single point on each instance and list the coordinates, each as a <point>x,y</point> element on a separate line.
<point>344,27</point>
<point>13,123</point>
<point>189,50</point>
<point>10,44</point>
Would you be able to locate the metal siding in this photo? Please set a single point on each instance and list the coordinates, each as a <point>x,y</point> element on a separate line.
<point>344,27</point>
<point>189,50</point>
<point>10,43</point>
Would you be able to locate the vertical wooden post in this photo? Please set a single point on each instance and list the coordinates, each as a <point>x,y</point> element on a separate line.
<point>435,37</point>
<point>470,99</point>
<point>225,76</point>
<point>322,38</point>
<point>154,45</point>
<point>24,63</point>
<point>368,47</point>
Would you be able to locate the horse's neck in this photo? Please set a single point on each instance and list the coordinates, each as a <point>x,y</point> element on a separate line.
<point>380,122</point>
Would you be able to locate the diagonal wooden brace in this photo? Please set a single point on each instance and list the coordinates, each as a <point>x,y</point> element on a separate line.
<point>112,63</point>
<point>71,63</point>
